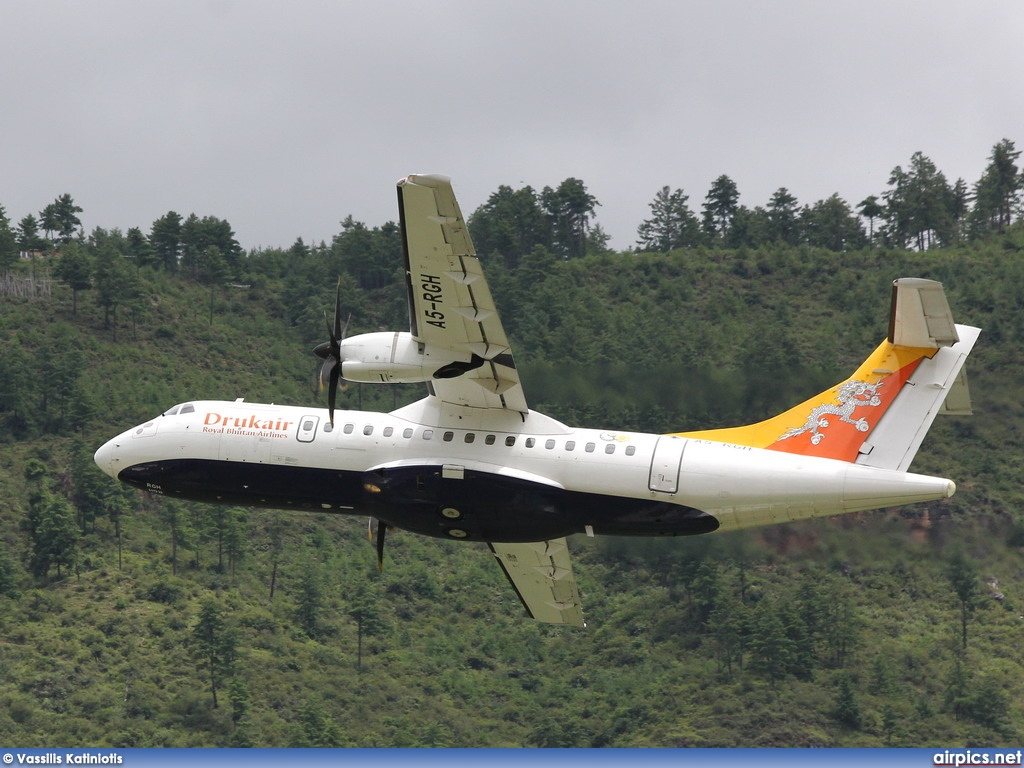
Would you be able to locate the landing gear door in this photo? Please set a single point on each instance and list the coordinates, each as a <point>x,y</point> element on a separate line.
<point>307,429</point>
<point>668,455</point>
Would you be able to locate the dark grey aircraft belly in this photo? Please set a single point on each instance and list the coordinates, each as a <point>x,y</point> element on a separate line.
<point>475,506</point>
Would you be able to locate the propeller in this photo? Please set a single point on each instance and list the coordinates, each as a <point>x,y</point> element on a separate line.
<point>330,353</point>
<point>382,528</point>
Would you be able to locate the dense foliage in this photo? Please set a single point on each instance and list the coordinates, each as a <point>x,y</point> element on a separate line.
<point>130,620</point>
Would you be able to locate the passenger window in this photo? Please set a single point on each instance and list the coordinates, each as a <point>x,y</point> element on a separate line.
<point>348,429</point>
<point>307,425</point>
<point>389,431</point>
<point>630,450</point>
<point>447,436</point>
<point>590,447</point>
<point>368,429</point>
<point>570,445</point>
<point>510,440</point>
<point>407,432</point>
<point>470,437</point>
<point>489,440</point>
<point>549,444</point>
<point>428,434</point>
<point>530,442</point>
<point>610,448</point>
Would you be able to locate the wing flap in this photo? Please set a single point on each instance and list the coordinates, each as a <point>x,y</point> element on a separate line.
<point>541,574</point>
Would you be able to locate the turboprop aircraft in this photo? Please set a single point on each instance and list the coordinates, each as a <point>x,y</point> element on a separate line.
<point>472,462</point>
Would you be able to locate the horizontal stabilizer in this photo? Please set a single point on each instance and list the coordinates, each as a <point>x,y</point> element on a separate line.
<point>958,399</point>
<point>920,315</point>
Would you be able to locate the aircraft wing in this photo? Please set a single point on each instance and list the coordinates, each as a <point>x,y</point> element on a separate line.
<point>541,574</point>
<point>450,304</point>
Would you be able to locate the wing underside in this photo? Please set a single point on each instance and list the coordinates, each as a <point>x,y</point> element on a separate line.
<point>541,573</point>
<point>450,303</point>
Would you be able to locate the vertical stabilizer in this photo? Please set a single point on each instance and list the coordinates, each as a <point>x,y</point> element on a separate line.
<point>880,415</point>
<point>939,385</point>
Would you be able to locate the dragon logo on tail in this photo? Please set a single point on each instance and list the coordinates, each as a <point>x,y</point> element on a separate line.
<point>851,395</point>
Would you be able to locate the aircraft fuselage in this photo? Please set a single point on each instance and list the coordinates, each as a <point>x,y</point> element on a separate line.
<point>508,481</point>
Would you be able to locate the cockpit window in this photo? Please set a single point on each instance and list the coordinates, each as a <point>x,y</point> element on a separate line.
<point>180,409</point>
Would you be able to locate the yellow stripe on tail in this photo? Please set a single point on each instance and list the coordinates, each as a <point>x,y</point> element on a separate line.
<point>835,423</point>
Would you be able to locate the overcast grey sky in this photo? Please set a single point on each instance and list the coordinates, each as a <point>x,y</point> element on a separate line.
<point>284,117</point>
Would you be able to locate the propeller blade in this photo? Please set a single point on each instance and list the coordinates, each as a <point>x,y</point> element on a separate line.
<point>381,530</point>
<point>332,390</point>
<point>325,373</point>
<point>337,335</point>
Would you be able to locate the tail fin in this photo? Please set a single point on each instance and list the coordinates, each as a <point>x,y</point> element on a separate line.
<point>880,415</point>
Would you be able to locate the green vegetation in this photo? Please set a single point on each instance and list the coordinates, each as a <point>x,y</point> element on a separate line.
<point>128,620</point>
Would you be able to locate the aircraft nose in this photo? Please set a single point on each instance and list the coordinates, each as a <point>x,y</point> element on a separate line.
<point>104,457</point>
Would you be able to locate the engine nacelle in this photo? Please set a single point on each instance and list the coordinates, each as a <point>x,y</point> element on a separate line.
<point>395,358</point>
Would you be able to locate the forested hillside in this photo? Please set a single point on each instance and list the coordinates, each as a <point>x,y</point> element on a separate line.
<point>128,620</point>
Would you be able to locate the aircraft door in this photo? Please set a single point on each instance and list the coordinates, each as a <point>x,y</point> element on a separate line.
<point>668,456</point>
<point>307,429</point>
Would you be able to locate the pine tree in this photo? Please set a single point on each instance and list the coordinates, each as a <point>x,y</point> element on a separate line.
<point>963,577</point>
<point>214,645</point>
<point>870,209</point>
<point>771,649</point>
<point>8,242</point>
<point>831,224</point>
<point>75,269</point>
<point>569,210</point>
<point>60,219</point>
<point>720,207</point>
<point>847,708</point>
<point>165,241</point>
<point>310,600</point>
<point>784,217</point>
<point>510,225</point>
<point>8,575</point>
<point>117,284</point>
<point>53,533</point>
<point>997,193</point>
<point>28,234</point>
<point>672,224</point>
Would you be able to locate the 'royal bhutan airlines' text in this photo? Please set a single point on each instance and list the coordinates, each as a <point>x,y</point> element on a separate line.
<point>252,426</point>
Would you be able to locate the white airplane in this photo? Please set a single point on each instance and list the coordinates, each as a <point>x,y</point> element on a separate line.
<point>472,462</point>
